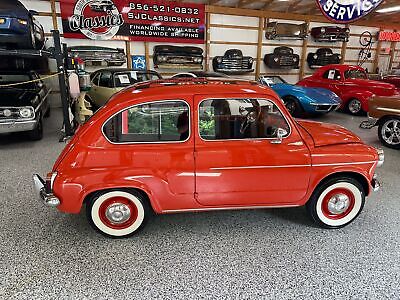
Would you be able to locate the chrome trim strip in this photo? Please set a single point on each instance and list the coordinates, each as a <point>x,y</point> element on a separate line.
<point>227,208</point>
<point>389,109</point>
<point>293,166</point>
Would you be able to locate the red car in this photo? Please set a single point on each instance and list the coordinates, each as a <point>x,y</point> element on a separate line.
<point>191,145</point>
<point>351,84</point>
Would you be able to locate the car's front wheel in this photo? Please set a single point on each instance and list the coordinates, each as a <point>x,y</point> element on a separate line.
<point>389,132</point>
<point>336,202</point>
<point>117,213</point>
<point>354,107</point>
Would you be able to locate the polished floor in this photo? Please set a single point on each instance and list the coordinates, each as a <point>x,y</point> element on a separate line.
<point>269,254</point>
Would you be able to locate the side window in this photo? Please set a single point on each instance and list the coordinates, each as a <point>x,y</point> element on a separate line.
<point>332,75</point>
<point>94,77</point>
<point>164,121</point>
<point>105,79</point>
<point>221,119</point>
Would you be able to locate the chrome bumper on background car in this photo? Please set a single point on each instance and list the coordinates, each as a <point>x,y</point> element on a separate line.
<point>44,190</point>
<point>17,126</point>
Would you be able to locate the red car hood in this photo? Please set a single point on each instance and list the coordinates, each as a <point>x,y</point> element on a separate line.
<point>379,88</point>
<point>324,134</point>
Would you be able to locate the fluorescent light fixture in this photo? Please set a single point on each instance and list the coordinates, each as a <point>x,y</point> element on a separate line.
<point>389,9</point>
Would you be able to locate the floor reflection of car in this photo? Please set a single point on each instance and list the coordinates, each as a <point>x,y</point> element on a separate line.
<point>18,28</point>
<point>300,99</point>
<point>106,82</point>
<point>198,74</point>
<point>23,104</point>
<point>101,5</point>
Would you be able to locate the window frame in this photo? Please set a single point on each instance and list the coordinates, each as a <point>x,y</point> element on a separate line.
<point>335,80</point>
<point>245,139</point>
<point>149,142</point>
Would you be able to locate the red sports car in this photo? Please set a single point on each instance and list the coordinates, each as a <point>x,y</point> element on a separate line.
<point>351,84</point>
<point>192,145</point>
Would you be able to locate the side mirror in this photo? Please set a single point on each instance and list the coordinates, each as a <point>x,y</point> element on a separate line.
<point>280,134</point>
<point>33,12</point>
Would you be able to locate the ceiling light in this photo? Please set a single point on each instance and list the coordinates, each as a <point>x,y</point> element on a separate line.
<point>389,9</point>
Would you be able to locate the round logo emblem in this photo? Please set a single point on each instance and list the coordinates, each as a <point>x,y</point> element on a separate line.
<point>96,19</point>
<point>346,11</point>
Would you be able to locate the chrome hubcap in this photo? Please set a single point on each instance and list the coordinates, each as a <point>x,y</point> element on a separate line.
<point>338,204</point>
<point>391,132</point>
<point>118,213</point>
<point>354,106</point>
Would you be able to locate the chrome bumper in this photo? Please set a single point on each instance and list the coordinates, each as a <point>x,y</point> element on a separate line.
<point>17,126</point>
<point>376,185</point>
<point>45,196</point>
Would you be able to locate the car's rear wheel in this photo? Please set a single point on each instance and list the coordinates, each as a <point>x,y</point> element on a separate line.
<point>354,107</point>
<point>117,213</point>
<point>337,202</point>
<point>389,132</point>
<point>292,105</point>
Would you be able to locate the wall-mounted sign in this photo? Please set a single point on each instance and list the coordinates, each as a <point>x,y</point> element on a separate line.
<point>138,62</point>
<point>140,20</point>
<point>346,11</point>
<point>389,36</point>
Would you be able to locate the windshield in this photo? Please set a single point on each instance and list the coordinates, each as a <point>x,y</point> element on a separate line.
<point>11,79</point>
<point>355,74</point>
<point>124,79</point>
<point>270,80</point>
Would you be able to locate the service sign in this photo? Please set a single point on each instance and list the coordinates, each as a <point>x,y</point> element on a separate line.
<point>140,20</point>
<point>346,11</point>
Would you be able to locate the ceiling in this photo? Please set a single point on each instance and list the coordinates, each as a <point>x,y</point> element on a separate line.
<point>303,7</point>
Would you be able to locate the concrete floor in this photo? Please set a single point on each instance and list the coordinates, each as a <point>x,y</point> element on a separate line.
<point>270,254</point>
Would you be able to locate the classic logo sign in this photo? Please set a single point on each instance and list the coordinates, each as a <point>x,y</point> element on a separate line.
<point>97,20</point>
<point>346,11</point>
<point>138,20</point>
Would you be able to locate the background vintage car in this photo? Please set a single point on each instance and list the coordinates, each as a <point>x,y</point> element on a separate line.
<point>298,99</point>
<point>282,58</point>
<point>277,30</point>
<point>168,56</point>
<point>101,5</point>
<point>96,55</point>
<point>154,169</point>
<point>233,62</point>
<point>23,106</point>
<point>351,84</point>
<point>384,112</point>
<point>323,57</point>
<point>18,27</point>
<point>107,82</point>
<point>330,34</point>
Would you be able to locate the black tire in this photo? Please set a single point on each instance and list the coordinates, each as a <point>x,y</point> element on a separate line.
<point>100,218</point>
<point>354,107</point>
<point>321,206</point>
<point>292,105</point>
<point>37,133</point>
<point>389,132</point>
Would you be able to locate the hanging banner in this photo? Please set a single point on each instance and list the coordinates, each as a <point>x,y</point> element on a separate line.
<point>140,20</point>
<point>346,11</point>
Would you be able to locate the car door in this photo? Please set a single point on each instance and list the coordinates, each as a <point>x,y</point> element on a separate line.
<point>104,90</point>
<point>334,81</point>
<point>240,161</point>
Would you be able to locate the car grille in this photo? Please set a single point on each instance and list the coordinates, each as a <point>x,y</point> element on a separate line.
<point>286,61</point>
<point>328,60</point>
<point>180,60</point>
<point>231,63</point>
<point>325,108</point>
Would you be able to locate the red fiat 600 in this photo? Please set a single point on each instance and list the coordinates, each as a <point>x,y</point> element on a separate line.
<point>188,146</point>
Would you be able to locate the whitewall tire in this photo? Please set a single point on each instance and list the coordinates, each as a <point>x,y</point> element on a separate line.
<point>117,213</point>
<point>337,202</point>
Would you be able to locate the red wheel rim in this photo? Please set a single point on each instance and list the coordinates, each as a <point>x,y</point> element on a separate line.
<point>104,208</point>
<point>338,203</point>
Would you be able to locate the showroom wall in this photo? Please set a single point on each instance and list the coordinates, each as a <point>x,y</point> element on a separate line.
<point>231,31</point>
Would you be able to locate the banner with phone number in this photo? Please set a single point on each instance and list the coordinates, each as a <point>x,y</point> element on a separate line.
<point>140,20</point>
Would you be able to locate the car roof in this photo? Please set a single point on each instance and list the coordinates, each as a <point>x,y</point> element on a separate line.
<point>172,88</point>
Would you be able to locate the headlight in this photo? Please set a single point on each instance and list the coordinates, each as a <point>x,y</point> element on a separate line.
<point>339,56</point>
<point>22,22</point>
<point>162,58</point>
<point>323,30</point>
<point>26,112</point>
<point>7,113</point>
<point>294,58</point>
<point>381,157</point>
<point>219,60</point>
<point>114,55</point>
<point>250,60</point>
<point>276,59</point>
<point>315,56</point>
